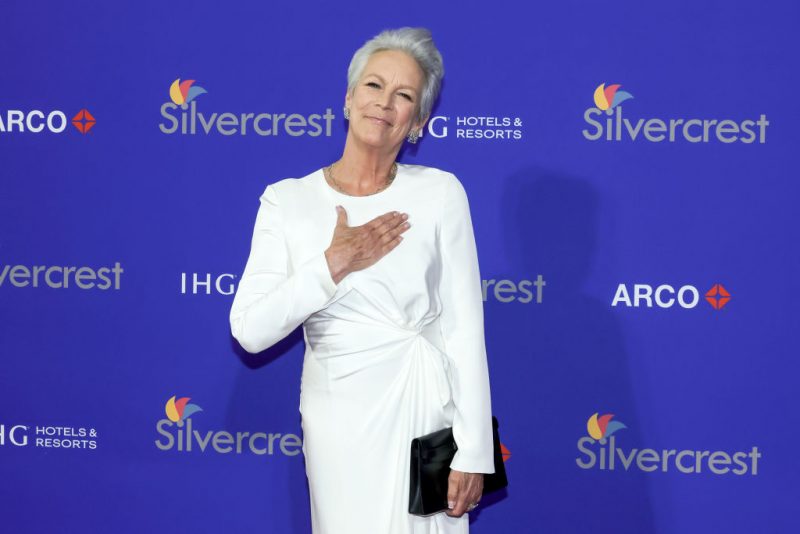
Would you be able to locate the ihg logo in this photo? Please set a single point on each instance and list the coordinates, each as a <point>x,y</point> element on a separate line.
<point>16,435</point>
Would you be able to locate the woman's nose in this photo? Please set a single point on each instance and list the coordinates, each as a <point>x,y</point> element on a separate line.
<point>385,100</point>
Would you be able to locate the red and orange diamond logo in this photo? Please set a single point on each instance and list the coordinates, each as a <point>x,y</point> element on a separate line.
<point>505,452</point>
<point>718,296</point>
<point>83,121</point>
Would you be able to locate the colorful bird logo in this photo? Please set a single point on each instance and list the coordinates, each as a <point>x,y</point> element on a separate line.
<point>178,410</point>
<point>183,92</point>
<point>602,426</point>
<point>609,97</point>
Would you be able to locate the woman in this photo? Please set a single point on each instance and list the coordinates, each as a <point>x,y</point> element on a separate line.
<point>377,260</point>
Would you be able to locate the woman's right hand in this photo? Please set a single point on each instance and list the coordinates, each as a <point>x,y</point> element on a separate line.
<point>357,247</point>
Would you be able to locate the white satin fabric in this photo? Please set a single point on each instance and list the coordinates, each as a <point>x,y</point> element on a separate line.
<point>393,351</point>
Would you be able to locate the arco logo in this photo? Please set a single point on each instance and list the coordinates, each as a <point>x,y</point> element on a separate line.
<point>609,97</point>
<point>718,296</point>
<point>666,296</point>
<point>38,121</point>
<point>505,453</point>
<point>602,426</point>
<point>83,121</point>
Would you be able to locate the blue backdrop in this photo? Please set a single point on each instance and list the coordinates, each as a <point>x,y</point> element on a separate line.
<point>631,179</point>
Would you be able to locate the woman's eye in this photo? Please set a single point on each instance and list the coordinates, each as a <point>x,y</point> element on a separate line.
<point>407,97</point>
<point>372,84</point>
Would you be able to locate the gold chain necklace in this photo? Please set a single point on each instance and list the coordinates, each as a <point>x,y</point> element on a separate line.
<point>389,180</point>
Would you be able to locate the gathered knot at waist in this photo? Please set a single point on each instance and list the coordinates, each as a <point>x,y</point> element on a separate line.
<point>330,337</point>
<point>349,347</point>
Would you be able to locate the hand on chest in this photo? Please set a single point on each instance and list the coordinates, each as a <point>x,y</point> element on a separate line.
<point>414,260</point>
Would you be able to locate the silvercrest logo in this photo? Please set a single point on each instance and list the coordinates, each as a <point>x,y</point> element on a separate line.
<point>61,277</point>
<point>599,450</point>
<point>177,434</point>
<point>616,127</point>
<point>181,116</point>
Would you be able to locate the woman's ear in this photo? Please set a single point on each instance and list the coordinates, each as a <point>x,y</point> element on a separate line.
<point>419,125</point>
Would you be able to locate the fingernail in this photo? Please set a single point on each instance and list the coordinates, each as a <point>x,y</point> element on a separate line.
<point>450,504</point>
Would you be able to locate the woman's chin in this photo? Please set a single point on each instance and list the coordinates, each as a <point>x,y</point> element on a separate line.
<point>375,141</point>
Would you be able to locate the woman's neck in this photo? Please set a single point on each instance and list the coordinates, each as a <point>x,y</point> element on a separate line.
<point>363,169</point>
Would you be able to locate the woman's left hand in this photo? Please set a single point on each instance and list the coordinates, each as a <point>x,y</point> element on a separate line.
<point>463,489</point>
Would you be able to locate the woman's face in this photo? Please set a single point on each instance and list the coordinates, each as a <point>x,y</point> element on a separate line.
<point>384,101</point>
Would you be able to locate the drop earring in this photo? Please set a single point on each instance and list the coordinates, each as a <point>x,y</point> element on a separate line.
<point>413,135</point>
<point>347,113</point>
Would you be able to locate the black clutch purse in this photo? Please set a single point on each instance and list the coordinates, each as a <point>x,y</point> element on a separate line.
<point>431,455</point>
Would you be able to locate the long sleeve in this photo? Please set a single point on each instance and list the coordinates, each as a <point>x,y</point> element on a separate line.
<point>463,331</point>
<point>270,301</point>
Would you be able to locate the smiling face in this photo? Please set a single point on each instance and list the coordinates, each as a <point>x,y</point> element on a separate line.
<point>384,102</point>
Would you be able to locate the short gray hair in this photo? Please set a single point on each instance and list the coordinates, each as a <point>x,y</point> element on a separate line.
<point>416,42</point>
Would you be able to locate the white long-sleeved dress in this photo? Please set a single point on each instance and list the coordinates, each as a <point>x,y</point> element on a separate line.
<point>393,351</point>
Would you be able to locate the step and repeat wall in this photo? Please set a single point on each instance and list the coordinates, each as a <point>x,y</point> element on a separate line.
<point>631,175</point>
